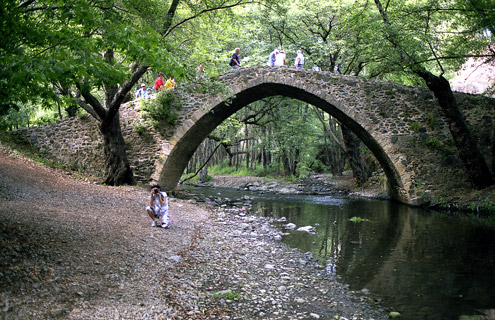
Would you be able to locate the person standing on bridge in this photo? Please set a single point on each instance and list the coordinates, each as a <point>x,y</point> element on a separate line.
<point>235,62</point>
<point>141,93</point>
<point>158,82</point>
<point>299,61</point>
<point>272,57</point>
<point>158,207</point>
<point>280,59</point>
<point>170,84</point>
<point>201,72</point>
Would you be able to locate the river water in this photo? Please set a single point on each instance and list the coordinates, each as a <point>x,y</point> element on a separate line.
<point>424,264</point>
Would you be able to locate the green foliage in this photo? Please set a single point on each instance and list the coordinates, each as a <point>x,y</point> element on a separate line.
<point>485,205</point>
<point>415,126</point>
<point>187,176</point>
<point>434,142</point>
<point>225,169</point>
<point>52,46</point>
<point>163,109</point>
<point>139,128</point>
<point>212,86</point>
<point>358,219</point>
<point>227,295</point>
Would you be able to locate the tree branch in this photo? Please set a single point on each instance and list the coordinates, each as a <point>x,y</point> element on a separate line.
<point>124,90</point>
<point>203,165</point>
<point>170,15</point>
<point>169,18</point>
<point>88,108</point>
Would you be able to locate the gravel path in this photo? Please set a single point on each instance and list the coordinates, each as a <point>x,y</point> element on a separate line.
<point>74,250</point>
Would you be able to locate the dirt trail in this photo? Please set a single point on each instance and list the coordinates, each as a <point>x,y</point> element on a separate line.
<point>73,249</point>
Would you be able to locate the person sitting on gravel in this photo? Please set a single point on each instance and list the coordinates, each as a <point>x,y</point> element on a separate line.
<point>158,208</point>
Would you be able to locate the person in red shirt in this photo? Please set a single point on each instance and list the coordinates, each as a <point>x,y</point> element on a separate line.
<point>158,82</point>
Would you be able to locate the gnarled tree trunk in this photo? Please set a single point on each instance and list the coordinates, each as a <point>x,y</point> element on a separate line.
<point>476,167</point>
<point>118,171</point>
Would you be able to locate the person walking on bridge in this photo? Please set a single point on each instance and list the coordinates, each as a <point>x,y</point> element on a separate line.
<point>158,82</point>
<point>141,93</point>
<point>235,62</point>
<point>280,59</point>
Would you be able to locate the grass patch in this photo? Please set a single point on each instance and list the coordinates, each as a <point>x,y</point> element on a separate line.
<point>358,219</point>
<point>229,295</point>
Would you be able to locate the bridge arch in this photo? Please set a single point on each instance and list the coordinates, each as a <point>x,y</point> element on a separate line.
<point>403,126</point>
<point>342,104</point>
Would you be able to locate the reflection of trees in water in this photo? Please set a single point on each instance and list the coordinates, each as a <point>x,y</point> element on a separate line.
<point>330,243</point>
<point>426,265</point>
<point>356,246</point>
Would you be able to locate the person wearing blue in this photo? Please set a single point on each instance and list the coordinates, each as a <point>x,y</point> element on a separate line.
<point>141,93</point>
<point>235,62</point>
<point>158,207</point>
<point>299,61</point>
<point>272,57</point>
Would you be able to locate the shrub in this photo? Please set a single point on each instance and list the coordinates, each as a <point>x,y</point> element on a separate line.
<point>163,109</point>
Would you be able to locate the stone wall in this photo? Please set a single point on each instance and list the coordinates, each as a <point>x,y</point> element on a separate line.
<point>78,143</point>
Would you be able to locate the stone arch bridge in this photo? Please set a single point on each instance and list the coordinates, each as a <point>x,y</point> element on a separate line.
<point>402,126</point>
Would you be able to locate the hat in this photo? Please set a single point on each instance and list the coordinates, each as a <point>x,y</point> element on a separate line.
<point>143,85</point>
<point>298,51</point>
<point>155,186</point>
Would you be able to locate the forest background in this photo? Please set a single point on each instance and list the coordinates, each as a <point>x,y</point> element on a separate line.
<point>67,58</point>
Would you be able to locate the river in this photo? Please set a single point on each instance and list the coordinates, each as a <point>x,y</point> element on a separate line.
<point>424,264</point>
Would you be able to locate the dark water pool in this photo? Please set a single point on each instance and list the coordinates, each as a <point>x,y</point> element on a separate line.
<point>424,264</point>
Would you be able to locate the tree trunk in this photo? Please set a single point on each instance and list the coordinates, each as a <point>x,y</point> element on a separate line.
<point>351,143</point>
<point>493,146</point>
<point>476,167</point>
<point>203,174</point>
<point>286,164</point>
<point>475,164</point>
<point>295,162</point>
<point>118,169</point>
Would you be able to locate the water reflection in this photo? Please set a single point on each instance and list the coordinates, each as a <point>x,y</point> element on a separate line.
<point>426,265</point>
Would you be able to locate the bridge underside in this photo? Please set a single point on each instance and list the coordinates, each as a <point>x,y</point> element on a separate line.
<point>186,145</point>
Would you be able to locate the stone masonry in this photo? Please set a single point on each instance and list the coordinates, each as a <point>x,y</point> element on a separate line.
<point>402,126</point>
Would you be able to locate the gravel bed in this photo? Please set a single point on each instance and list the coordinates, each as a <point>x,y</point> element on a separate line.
<point>70,249</point>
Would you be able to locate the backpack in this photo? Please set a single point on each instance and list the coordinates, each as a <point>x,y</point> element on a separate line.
<point>231,62</point>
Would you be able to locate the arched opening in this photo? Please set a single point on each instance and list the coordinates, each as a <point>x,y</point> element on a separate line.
<point>191,138</point>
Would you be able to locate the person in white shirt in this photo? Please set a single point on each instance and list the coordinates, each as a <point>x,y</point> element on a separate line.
<point>299,61</point>
<point>280,59</point>
<point>158,207</point>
